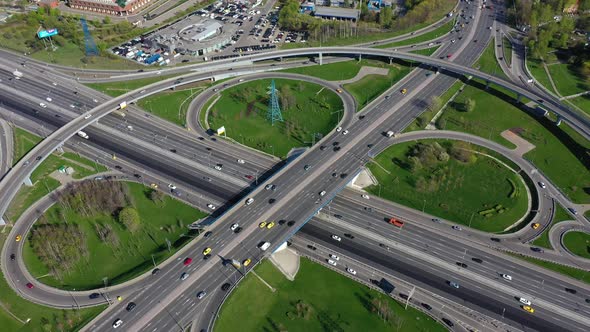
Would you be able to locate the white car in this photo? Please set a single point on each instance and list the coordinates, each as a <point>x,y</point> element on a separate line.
<point>43,105</point>
<point>72,106</point>
<point>506,276</point>
<point>339,129</point>
<point>268,187</point>
<point>211,206</point>
<point>457,228</point>
<point>54,84</point>
<point>171,186</point>
<point>241,161</point>
<point>322,193</point>
<point>365,196</point>
<point>218,167</point>
<point>94,100</point>
<point>117,323</point>
<point>331,262</point>
<point>334,257</point>
<point>351,271</point>
<point>234,226</point>
<point>87,116</point>
<point>345,132</point>
<point>542,185</point>
<point>337,238</point>
<point>249,201</point>
<point>48,99</point>
<point>524,301</point>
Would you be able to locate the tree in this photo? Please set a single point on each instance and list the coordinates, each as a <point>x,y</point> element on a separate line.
<point>469,105</point>
<point>385,17</point>
<point>462,151</point>
<point>130,218</point>
<point>156,196</point>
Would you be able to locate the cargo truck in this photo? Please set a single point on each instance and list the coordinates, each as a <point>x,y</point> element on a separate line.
<point>395,222</point>
<point>122,105</point>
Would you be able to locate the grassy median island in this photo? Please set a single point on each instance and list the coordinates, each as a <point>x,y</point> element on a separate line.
<point>560,215</point>
<point>318,300</point>
<point>578,243</point>
<point>115,89</point>
<point>105,229</point>
<point>308,110</point>
<point>14,311</point>
<point>452,180</point>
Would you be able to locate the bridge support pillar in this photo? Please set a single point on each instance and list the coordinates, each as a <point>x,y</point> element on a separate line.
<point>390,61</point>
<point>281,59</point>
<point>487,85</point>
<point>321,60</point>
<point>360,57</point>
<point>28,182</point>
<point>518,96</point>
<point>60,149</point>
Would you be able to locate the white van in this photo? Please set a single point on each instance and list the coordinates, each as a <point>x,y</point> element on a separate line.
<point>264,246</point>
<point>249,201</point>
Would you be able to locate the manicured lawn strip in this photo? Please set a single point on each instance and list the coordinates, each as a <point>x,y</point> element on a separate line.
<point>507,47</point>
<point>578,243</point>
<point>566,80</point>
<point>334,300</point>
<point>488,62</point>
<point>115,89</point>
<point>133,256</point>
<point>242,109</point>
<point>426,51</point>
<point>24,309</point>
<point>420,122</point>
<point>583,102</point>
<point>91,163</point>
<point>440,31</point>
<point>466,189</point>
<point>26,196</point>
<point>562,269</point>
<point>560,215</point>
<point>372,86</point>
<point>23,143</point>
<point>167,104</point>
<point>557,148</point>
<point>536,69</point>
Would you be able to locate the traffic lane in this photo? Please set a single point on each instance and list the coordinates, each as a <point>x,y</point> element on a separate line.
<point>435,281</point>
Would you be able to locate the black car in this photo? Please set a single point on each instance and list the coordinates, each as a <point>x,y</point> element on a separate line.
<point>350,236</point>
<point>131,306</point>
<point>239,229</point>
<point>426,306</point>
<point>306,167</point>
<point>343,175</point>
<point>361,117</point>
<point>155,271</point>
<point>12,257</point>
<point>495,239</point>
<point>137,175</point>
<point>207,234</point>
<point>272,200</point>
<point>322,148</point>
<point>336,148</point>
<point>448,322</point>
<point>477,260</point>
<point>94,296</point>
<point>571,290</point>
<point>225,286</point>
<point>311,247</point>
<point>339,216</point>
<point>291,223</point>
<point>463,265</point>
<point>535,249</point>
<point>334,174</point>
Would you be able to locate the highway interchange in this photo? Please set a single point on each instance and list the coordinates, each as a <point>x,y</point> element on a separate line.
<point>298,194</point>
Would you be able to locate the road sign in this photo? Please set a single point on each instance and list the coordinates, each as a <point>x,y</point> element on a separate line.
<point>46,33</point>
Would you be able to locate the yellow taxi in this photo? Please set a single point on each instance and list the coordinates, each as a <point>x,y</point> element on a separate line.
<point>339,90</point>
<point>153,185</point>
<point>536,225</point>
<point>262,224</point>
<point>404,91</point>
<point>528,308</point>
<point>270,225</point>
<point>18,238</point>
<point>246,262</point>
<point>207,251</point>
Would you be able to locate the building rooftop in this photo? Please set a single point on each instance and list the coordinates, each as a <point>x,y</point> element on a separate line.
<point>337,12</point>
<point>206,30</point>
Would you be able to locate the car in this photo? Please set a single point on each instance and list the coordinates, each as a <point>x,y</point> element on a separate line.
<point>495,239</point>
<point>207,234</point>
<point>528,309</point>
<point>249,201</point>
<point>183,276</point>
<point>249,177</point>
<point>246,262</point>
<point>337,238</point>
<point>155,271</point>
<point>404,91</point>
<point>524,301</point>
<point>270,225</point>
<point>572,210</point>
<point>448,322</point>
<point>94,296</point>
<point>264,245</point>
<point>542,185</point>
<point>211,206</point>
<point>187,261</point>
<point>218,167</point>
<point>387,97</point>
<point>171,186</point>
<point>130,306</point>
<point>506,276</point>
<point>449,56</point>
<point>238,230</point>
<point>457,228</point>
<point>571,290</point>
<point>207,251</point>
<point>339,90</point>
<point>454,284</point>
<point>18,238</point>
<point>345,132</point>
<point>351,271</point>
<point>225,286</point>
<point>535,225</point>
<point>306,167</point>
<point>323,147</point>
<point>117,323</point>
<point>312,247</point>
<point>365,196</point>
<point>43,105</point>
<point>322,193</point>
<point>154,186</point>
<point>48,99</point>
<point>334,257</point>
<point>291,223</point>
<point>331,262</point>
<point>339,129</point>
<point>477,260</point>
<point>86,117</point>
<point>350,236</point>
<point>436,220</point>
<point>234,226</point>
<point>12,257</point>
<point>241,161</point>
<point>426,306</point>
<point>119,298</point>
<point>30,285</point>
<point>201,295</point>
<point>461,264</point>
<point>268,187</point>
<point>262,224</point>
<point>535,249</point>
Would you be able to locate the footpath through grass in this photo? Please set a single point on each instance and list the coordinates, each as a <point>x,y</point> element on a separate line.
<point>560,215</point>
<point>567,80</point>
<point>133,256</point>
<point>578,243</point>
<point>536,69</point>
<point>309,112</point>
<point>440,31</point>
<point>14,312</point>
<point>115,89</point>
<point>481,193</point>
<point>318,300</point>
<point>42,182</point>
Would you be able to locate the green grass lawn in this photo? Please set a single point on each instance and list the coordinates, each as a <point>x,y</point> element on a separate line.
<point>372,86</point>
<point>440,31</point>
<point>557,148</point>
<point>420,122</point>
<point>507,47</point>
<point>578,243</point>
<point>583,102</point>
<point>171,105</point>
<point>337,71</point>
<point>560,215</point>
<point>566,80</point>
<point>426,51</point>
<point>333,301</point>
<point>242,110</point>
<point>465,190</point>
<point>115,89</point>
<point>578,274</point>
<point>70,55</point>
<point>488,64</point>
<point>42,318</point>
<point>133,257</point>
<point>535,66</point>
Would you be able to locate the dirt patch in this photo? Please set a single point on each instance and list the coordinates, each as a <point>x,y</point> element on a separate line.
<point>513,135</point>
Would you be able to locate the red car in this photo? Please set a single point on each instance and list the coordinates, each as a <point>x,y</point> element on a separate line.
<point>29,285</point>
<point>449,56</point>
<point>188,260</point>
<point>249,177</point>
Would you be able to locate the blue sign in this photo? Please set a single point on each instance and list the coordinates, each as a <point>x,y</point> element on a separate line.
<point>46,33</point>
